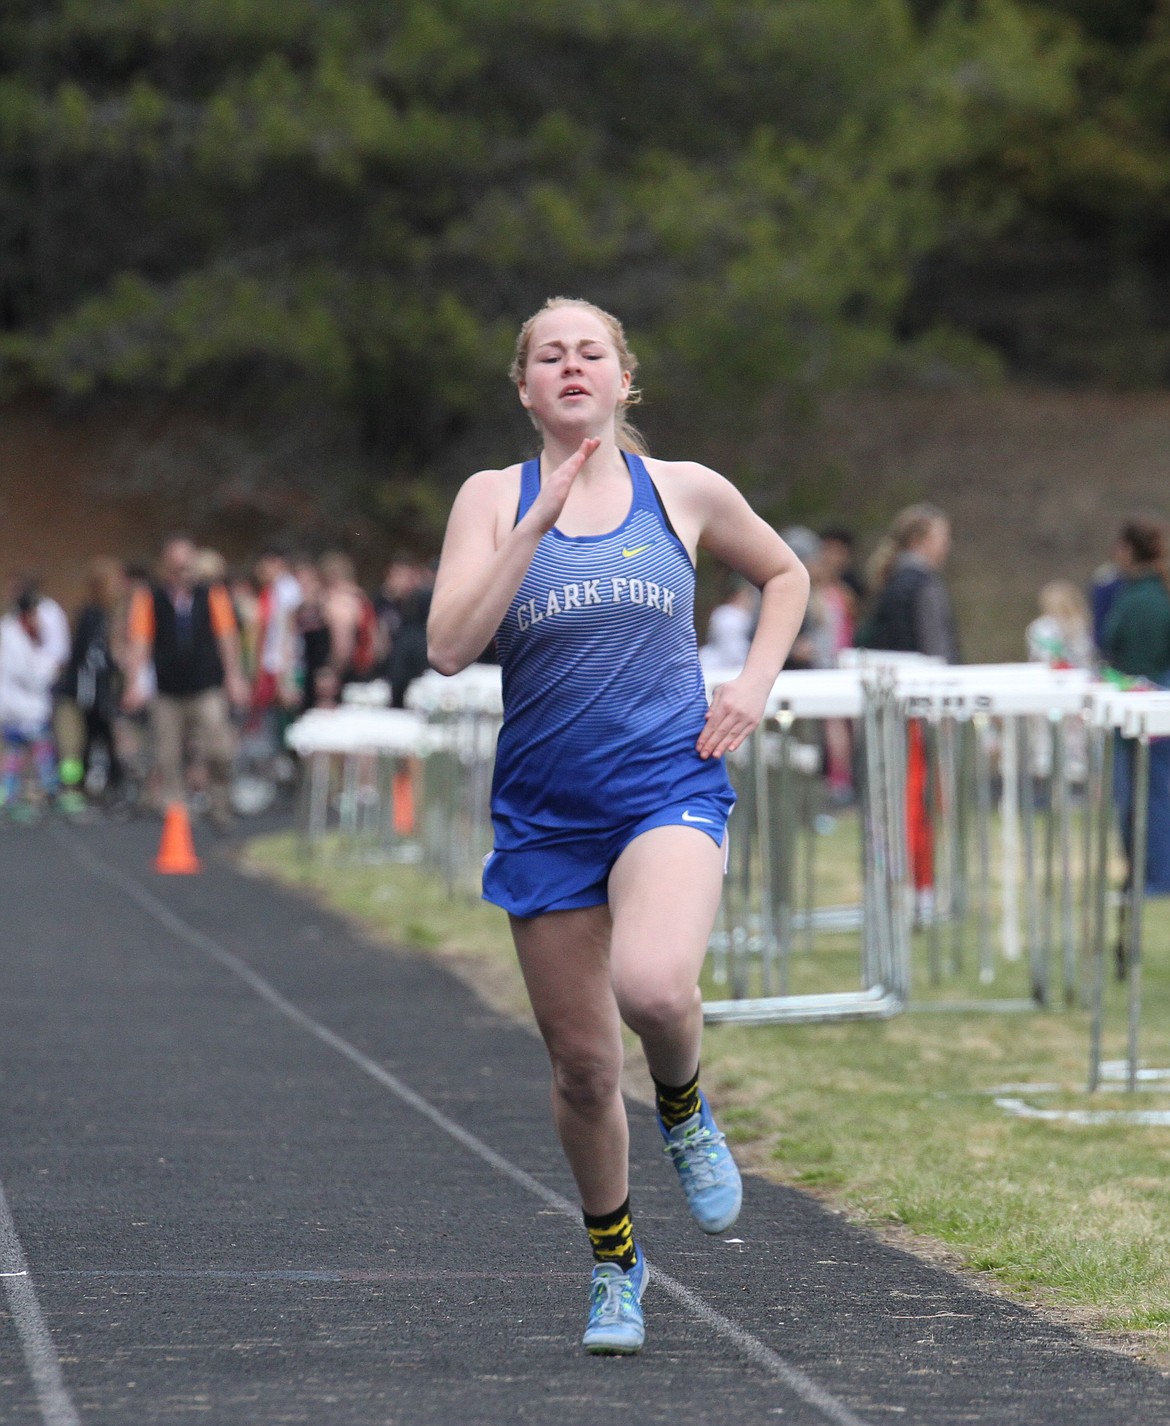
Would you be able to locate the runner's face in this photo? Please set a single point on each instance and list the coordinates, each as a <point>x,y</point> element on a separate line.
<point>573,379</point>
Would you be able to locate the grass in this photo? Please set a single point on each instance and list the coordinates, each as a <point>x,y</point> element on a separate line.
<point>893,1121</point>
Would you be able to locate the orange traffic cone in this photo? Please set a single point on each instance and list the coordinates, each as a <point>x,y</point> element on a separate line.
<point>403,802</point>
<point>176,851</point>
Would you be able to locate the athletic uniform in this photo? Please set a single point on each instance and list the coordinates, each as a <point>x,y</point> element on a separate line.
<point>603,704</point>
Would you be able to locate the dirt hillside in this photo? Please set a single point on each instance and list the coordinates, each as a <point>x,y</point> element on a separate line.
<point>1036,482</point>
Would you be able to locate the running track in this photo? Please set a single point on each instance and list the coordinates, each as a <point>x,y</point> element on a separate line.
<point>257,1170</point>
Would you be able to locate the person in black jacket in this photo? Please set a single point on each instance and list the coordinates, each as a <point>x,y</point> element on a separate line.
<point>912,612</point>
<point>188,630</point>
<point>92,679</point>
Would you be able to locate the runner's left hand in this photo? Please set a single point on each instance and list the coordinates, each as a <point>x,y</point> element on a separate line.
<point>736,709</point>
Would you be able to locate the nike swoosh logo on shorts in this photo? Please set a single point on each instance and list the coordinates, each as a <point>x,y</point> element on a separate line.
<point>688,818</point>
<point>641,550</point>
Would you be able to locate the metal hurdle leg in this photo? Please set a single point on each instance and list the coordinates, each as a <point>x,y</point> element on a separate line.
<point>1137,897</point>
<point>809,804</point>
<point>1068,943</point>
<point>983,820</point>
<point>1086,929</point>
<point>785,846</point>
<point>384,768</point>
<point>320,776</point>
<point>901,877</point>
<point>1010,834</point>
<point>738,889</point>
<point>1048,899</point>
<point>964,735</point>
<point>878,999</point>
<point>875,881</point>
<point>767,910</point>
<point>1037,963</point>
<point>934,804</point>
<point>945,884</point>
<point>1102,809</point>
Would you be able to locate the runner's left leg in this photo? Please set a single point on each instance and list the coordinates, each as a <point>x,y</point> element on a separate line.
<point>664,895</point>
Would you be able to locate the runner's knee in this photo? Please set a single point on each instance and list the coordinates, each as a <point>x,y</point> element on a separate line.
<point>651,1007</point>
<point>586,1081</point>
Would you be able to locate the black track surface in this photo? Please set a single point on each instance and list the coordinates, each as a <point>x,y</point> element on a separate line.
<point>228,1222</point>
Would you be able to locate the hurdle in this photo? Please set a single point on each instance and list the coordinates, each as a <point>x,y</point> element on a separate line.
<point>977,723</point>
<point>462,714</point>
<point>1009,828</point>
<point>768,900</point>
<point>1135,716</point>
<point>349,756</point>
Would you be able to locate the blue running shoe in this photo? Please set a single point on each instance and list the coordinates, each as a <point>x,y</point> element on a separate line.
<point>615,1325</point>
<point>706,1169</point>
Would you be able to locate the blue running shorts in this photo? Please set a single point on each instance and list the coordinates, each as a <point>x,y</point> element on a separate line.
<point>573,871</point>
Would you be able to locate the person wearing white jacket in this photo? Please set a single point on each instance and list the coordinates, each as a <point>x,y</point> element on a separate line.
<point>28,668</point>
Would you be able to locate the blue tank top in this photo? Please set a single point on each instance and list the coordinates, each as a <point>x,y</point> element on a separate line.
<point>603,693</point>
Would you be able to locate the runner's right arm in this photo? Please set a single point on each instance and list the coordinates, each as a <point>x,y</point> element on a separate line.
<point>482,567</point>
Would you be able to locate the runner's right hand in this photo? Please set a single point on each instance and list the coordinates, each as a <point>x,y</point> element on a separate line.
<point>554,488</point>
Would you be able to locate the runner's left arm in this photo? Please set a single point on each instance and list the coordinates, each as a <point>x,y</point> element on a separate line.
<point>730,530</point>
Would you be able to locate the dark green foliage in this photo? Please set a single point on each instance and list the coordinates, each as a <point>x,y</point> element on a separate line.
<point>322,222</point>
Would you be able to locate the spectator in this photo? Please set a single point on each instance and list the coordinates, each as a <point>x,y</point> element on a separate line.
<point>132,729</point>
<point>817,646</point>
<point>912,611</point>
<point>912,614</point>
<point>731,625</point>
<point>274,690</point>
<point>1136,643</point>
<point>407,657</point>
<point>814,644</point>
<point>210,567</point>
<point>189,631</point>
<point>1103,590</point>
<point>1061,637</point>
<point>28,669</point>
<point>311,634</point>
<point>92,678</point>
<point>839,556</point>
<point>67,732</point>
<point>398,583</point>
<point>354,641</point>
<point>245,600</point>
<point>841,589</point>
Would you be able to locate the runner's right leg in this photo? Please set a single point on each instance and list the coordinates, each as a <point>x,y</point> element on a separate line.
<point>564,956</point>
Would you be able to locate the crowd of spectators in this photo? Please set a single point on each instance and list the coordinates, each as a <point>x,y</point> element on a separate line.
<point>1120,627</point>
<point>165,673</point>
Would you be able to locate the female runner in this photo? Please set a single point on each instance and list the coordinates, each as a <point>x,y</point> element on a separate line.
<point>610,800</point>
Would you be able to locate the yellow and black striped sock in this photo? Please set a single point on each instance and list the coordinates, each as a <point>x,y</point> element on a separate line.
<point>676,1106</point>
<point>611,1236</point>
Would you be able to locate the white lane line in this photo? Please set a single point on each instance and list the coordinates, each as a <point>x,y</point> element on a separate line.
<point>798,1382</point>
<point>44,1366</point>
